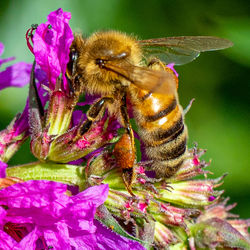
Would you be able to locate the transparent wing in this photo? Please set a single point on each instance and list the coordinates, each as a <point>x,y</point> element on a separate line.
<point>183,49</point>
<point>163,82</point>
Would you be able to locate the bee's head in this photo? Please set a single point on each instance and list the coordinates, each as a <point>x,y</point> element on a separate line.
<point>96,54</point>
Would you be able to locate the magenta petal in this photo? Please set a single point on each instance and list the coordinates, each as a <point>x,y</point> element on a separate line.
<point>52,41</point>
<point>80,216</point>
<point>81,213</point>
<point>171,66</point>
<point>15,217</point>
<point>21,124</point>
<point>5,60</point>
<point>2,61</point>
<point>31,194</point>
<point>87,241</point>
<point>96,195</point>
<point>29,241</point>
<point>107,239</point>
<point>1,48</point>
<point>77,116</point>
<point>2,215</point>
<point>6,242</point>
<point>57,238</point>
<point>16,75</point>
<point>3,167</point>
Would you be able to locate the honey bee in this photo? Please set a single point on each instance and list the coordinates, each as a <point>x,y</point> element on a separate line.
<point>122,69</point>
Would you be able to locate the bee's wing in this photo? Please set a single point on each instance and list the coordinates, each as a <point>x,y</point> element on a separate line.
<point>183,49</point>
<point>163,82</point>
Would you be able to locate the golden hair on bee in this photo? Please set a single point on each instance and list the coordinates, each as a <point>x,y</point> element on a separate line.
<point>105,46</point>
<point>110,64</point>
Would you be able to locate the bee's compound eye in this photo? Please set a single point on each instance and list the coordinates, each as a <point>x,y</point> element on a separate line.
<point>74,56</point>
<point>100,62</point>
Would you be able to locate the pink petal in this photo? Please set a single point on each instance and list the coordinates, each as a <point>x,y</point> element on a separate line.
<point>51,45</point>
<point>6,242</point>
<point>56,238</point>
<point>2,61</point>
<point>29,241</point>
<point>31,194</point>
<point>107,239</point>
<point>3,167</point>
<point>96,194</point>
<point>171,66</point>
<point>17,75</point>
<point>1,48</point>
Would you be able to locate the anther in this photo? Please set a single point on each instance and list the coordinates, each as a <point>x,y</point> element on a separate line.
<point>34,26</point>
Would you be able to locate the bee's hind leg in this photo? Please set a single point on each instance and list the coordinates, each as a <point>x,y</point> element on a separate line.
<point>124,150</point>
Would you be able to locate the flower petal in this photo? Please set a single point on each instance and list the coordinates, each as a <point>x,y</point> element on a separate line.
<point>29,241</point>
<point>96,194</point>
<point>81,213</point>
<point>51,45</point>
<point>57,238</point>
<point>17,75</point>
<point>1,48</point>
<point>6,242</point>
<point>3,167</point>
<point>31,194</point>
<point>107,239</point>
<point>2,61</point>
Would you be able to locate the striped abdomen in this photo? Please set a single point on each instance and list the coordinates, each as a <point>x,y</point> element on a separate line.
<point>161,128</point>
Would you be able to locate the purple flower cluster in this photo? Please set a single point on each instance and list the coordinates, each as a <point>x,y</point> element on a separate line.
<point>42,214</point>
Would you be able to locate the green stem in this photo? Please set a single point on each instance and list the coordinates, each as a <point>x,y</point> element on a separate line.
<point>65,173</point>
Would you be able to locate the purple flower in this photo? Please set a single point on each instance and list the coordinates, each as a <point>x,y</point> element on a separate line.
<point>52,41</point>
<point>37,213</point>
<point>16,75</point>
<point>171,66</point>
<point>12,137</point>
<point>3,167</point>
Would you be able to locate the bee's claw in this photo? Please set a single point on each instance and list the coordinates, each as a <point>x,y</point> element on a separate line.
<point>128,177</point>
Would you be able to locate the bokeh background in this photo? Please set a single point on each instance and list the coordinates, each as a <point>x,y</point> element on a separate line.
<point>219,81</point>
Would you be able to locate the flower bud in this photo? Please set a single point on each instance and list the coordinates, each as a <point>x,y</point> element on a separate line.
<point>60,111</point>
<point>170,215</point>
<point>214,233</point>
<point>163,236</point>
<point>193,193</point>
<point>13,136</point>
<point>72,145</point>
<point>191,167</point>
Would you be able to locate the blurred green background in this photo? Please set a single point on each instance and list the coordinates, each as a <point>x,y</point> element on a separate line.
<point>219,81</point>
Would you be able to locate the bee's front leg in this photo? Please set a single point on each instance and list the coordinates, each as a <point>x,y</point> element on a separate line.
<point>95,111</point>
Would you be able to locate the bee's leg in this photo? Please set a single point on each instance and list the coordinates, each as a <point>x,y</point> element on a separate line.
<point>71,73</point>
<point>93,114</point>
<point>124,150</point>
